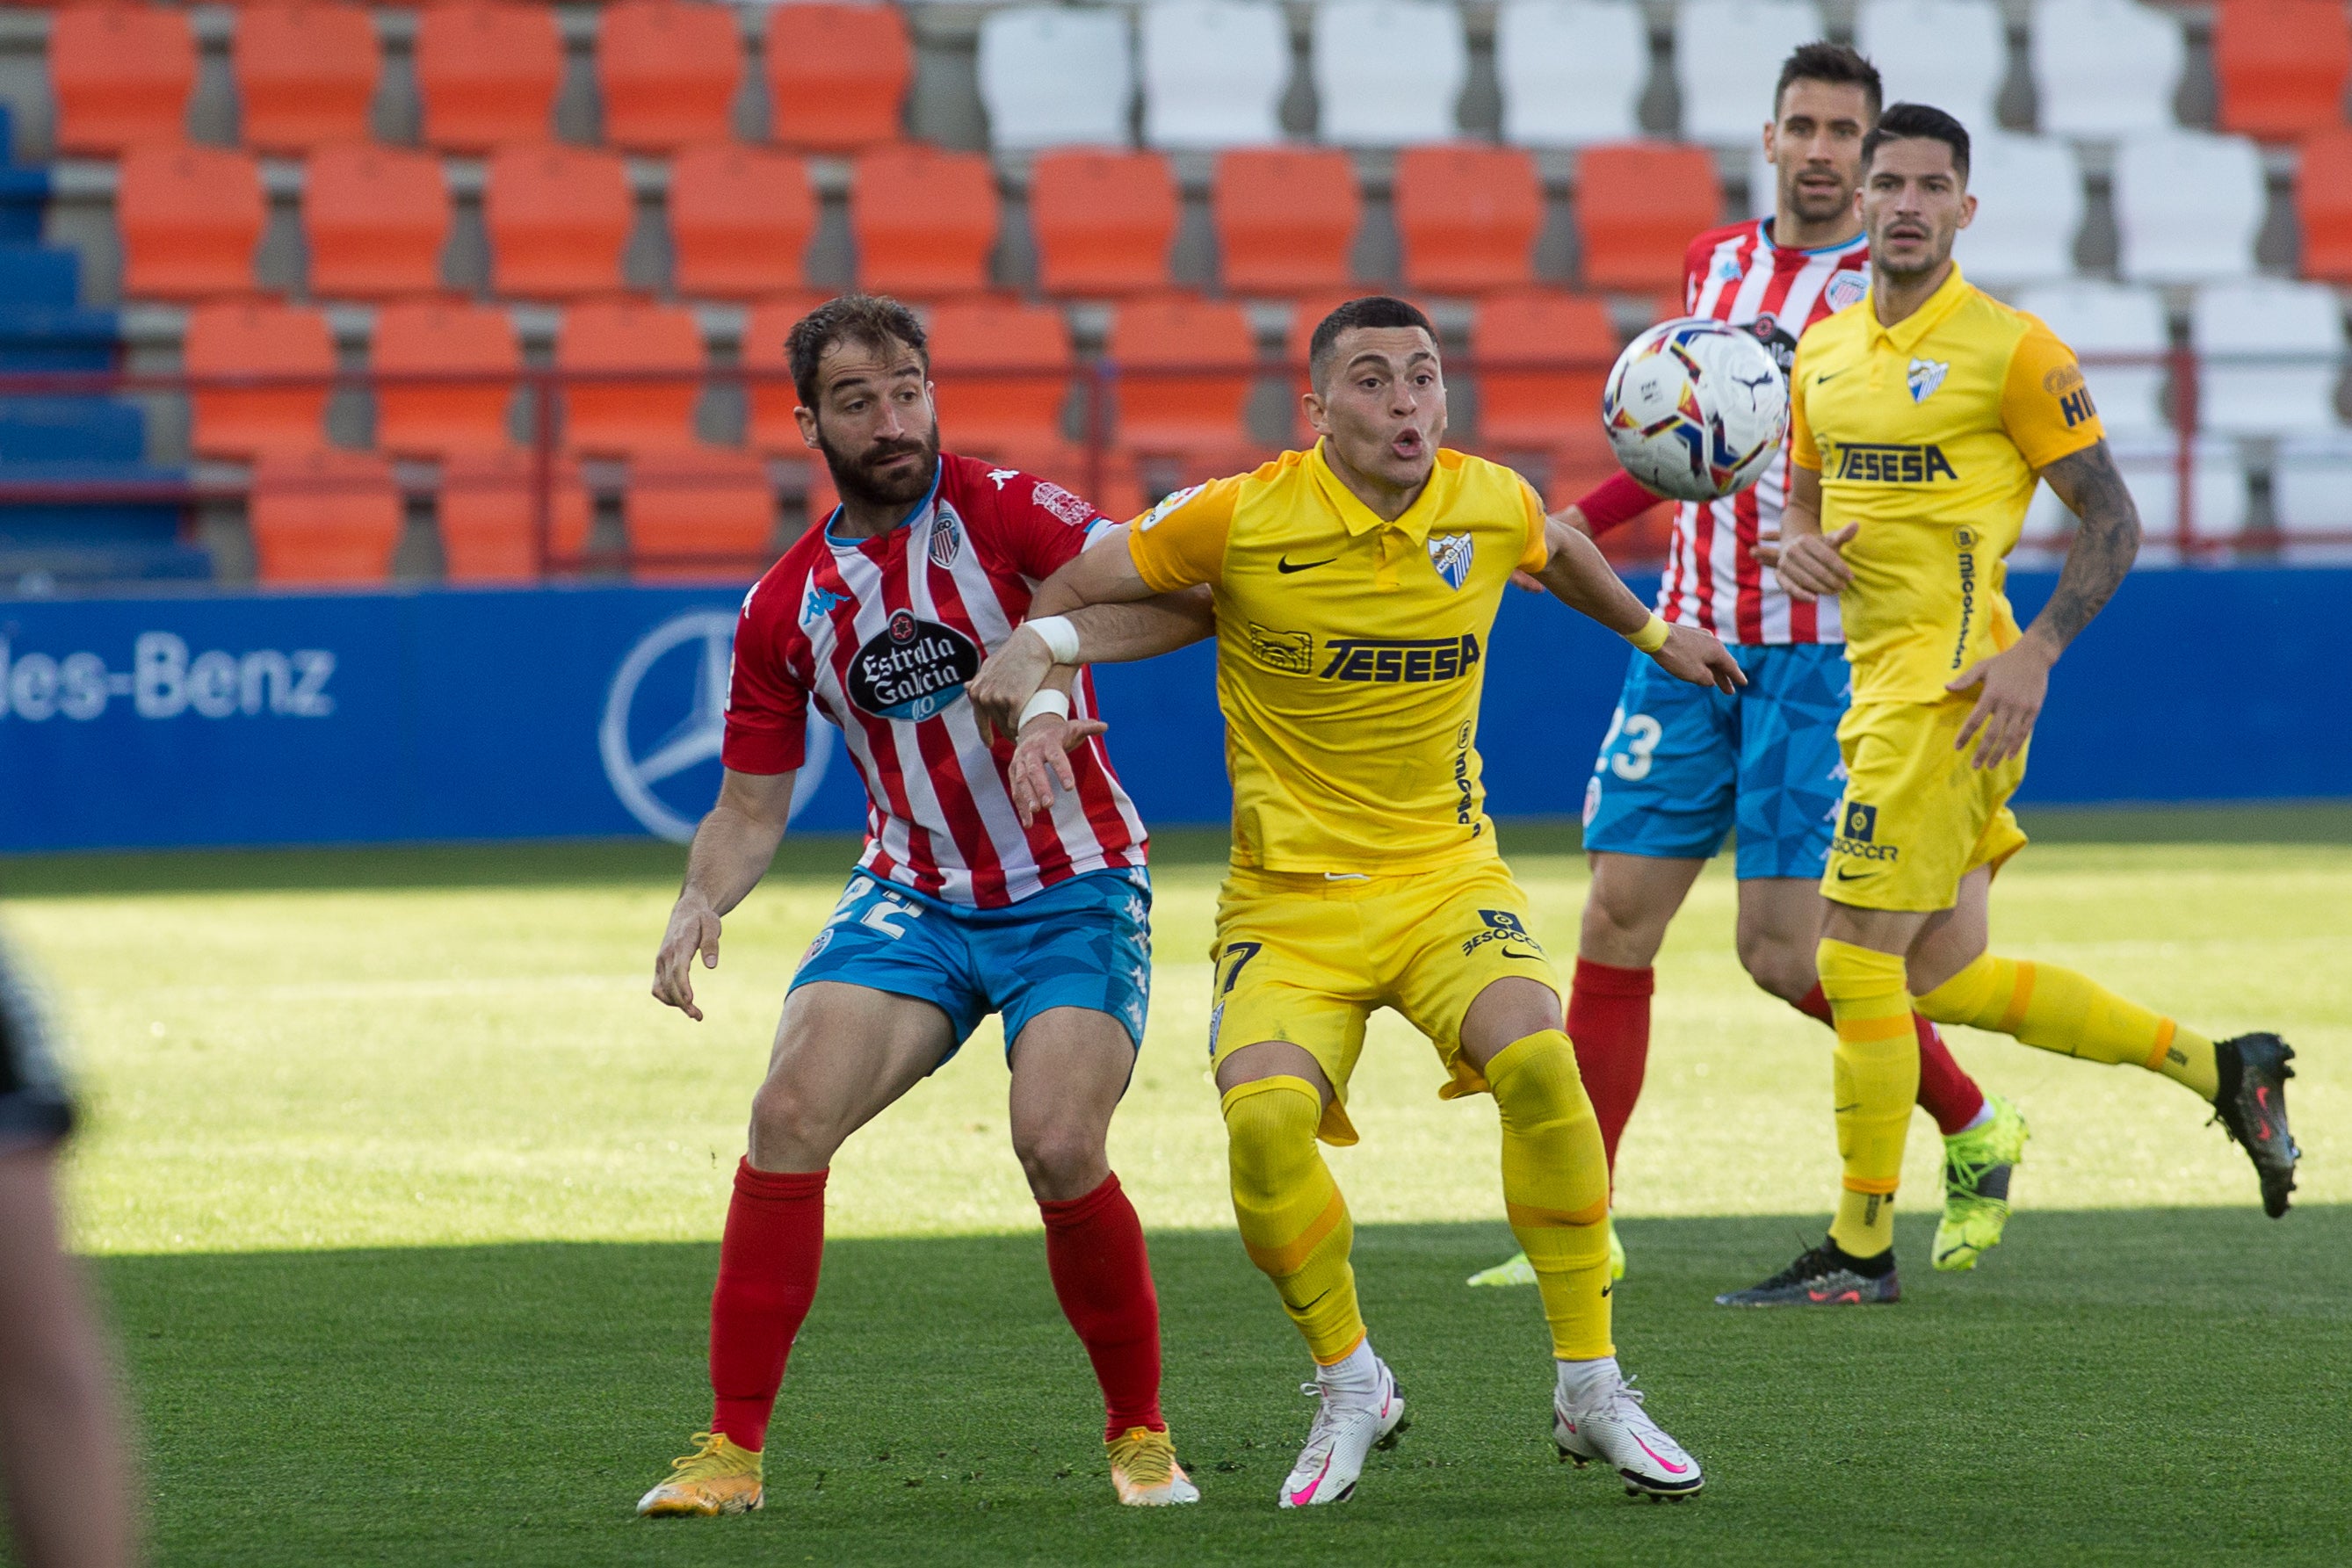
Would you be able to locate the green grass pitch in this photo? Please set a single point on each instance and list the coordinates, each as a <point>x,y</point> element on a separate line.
<point>404,1196</point>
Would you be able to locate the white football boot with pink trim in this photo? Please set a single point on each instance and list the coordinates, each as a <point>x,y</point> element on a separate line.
<point>1347,1428</point>
<point>1610,1426</point>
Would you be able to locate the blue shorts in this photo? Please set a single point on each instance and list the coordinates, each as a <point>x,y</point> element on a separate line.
<point>1682,765</point>
<point>1084,943</point>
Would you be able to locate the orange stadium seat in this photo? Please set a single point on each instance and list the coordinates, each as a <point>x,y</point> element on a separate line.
<point>1468,217</point>
<point>189,218</point>
<point>123,77</point>
<point>710,502</point>
<point>488,72</point>
<point>489,523</point>
<point>740,220</point>
<point>1525,404</point>
<point>625,417</point>
<point>559,219</point>
<point>376,219</point>
<point>1286,218</point>
<point>2281,66</point>
<point>1637,206</point>
<point>252,338</point>
<point>426,419</point>
<point>773,429</point>
<point>1196,413</point>
<point>305,74</point>
<point>669,70</point>
<point>1003,374</point>
<point>838,74</point>
<point>1104,220</point>
<point>924,220</point>
<point>324,517</point>
<point>2323,206</point>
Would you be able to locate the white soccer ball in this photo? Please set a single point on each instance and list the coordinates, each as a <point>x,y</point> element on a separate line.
<point>1695,409</point>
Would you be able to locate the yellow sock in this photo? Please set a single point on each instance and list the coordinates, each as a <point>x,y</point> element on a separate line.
<point>1293,1220</point>
<point>1556,1187</point>
<point>2057,1010</point>
<point>1876,1071</point>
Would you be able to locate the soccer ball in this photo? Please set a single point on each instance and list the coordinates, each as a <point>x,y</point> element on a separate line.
<point>1695,409</point>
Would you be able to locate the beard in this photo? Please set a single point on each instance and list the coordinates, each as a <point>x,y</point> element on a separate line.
<point>856,477</point>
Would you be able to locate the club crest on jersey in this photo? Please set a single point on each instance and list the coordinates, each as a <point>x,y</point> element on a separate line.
<point>1450,554</point>
<point>1844,289</point>
<point>947,539</point>
<point>820,603</point>
<point>1069,509</point>
<point>911,668</point>
<point>1926,376</point>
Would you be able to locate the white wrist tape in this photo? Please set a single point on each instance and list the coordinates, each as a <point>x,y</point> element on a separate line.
<point>1048,700</point>
<point>1061,638</point>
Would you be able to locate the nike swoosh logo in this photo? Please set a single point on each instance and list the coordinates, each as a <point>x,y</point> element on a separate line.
<point>1845,875</point>
<point>1307,1493</point>
<point>1834,1111</point>
<point>1286,566</point>
<point>1608,1287</point>
<point>1536,958</point>
<point>1662,1463</point>
<point>1827,375</point>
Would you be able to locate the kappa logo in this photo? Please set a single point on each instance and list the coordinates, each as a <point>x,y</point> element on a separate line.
<point>1845,289</point>
<point>820,603</point>
<point>997,476</point>
<point>1925,376</point>
<point>1451,555</point>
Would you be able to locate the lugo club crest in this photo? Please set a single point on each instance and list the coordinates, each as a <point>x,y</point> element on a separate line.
<point>912,669</point>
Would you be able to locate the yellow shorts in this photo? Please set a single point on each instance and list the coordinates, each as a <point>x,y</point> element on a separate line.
<point>1918,815</point>
<point>1306,958</point>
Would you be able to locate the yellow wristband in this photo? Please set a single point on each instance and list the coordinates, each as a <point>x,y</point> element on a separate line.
<point>1651,637</point>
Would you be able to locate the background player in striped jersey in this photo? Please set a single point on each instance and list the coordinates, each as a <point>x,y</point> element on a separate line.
<point>880,617</point>
<point>1682,765</point>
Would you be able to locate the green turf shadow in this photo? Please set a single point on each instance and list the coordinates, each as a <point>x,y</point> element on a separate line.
<point>2145,1386</point>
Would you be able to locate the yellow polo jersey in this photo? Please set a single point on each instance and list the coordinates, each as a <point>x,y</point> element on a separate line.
<point>1929,435</point>
<point>1350,653</point>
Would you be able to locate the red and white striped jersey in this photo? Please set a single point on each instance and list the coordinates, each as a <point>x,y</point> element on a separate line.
<point>883,634</point>
<point>1713,579</point>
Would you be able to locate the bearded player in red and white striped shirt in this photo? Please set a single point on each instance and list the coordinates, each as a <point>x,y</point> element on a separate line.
<point>879,615</point>
<point>1680,769</point>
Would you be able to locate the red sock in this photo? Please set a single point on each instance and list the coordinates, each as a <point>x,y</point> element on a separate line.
<point>768,1266</point>
<point>1093,1249</point>
<point>1609,1023</point>
<point>1946,1091</point>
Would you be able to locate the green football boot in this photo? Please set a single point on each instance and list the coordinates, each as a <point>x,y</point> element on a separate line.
<point>1519,1271</point>
<point>1978,1165</point>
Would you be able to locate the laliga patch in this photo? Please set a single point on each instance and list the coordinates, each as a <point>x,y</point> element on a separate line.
<point>1926,376</point>
<point>1166,505</point>
<point>1450,554</point>
<point>911,669</point>
<point>1844,289</point>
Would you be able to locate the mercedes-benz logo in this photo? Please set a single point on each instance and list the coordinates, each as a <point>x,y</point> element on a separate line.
<point>697,736</point>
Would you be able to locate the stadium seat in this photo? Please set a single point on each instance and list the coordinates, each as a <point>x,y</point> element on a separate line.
<point>2151,472</point>
<point>1104,221</point>
<point>1526,403</point>
<point>772,428</point>
<point>323,517</point>
<point>621,418</point>
<point>2104,67</point>
<point>376,219</point>
<point>1467,217</point>
<point>2311,493</point>
<point>559,218</point>
<point>1389,73</point>
<point>1055,76</point>
<point>2323,206</point>
<point>488,515</point>
<point>306,73</point>
<point>122,77</point>
<point>1213,72</point>
<point>1003,374</point>
<point>1637,206</point>
<point>1286,218</point>
<point>2097,318</point>
<point>1572,71</point>
<point>700,514</point>
<point>190,218</point>
<point>1728,56</point>
<point>488,72</point>
<point>2270,354</point>
<point>740,220</point>
<point>838,74</point>
<point>2029,193</point>
<point>1953,54</point>
<point>2188,206</point>
<point>924,220</point>
<point>1186,367</point>
<point>427,420</point>
<point>2281,66</point>
<point>669,71</point>
<point>251,337</point>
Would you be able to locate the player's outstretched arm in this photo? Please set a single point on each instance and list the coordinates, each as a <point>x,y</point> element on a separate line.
<point>730,853</point>
<point>1581,577</point>
<point>2011,685</point>
<point>1113,614</point>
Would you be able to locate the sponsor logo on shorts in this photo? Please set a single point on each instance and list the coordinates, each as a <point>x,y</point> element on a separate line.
<point>1387,663</point>
<point>1858,837</point>
<point>1592,799</point>
<point>1503,926</point>
<point>1877,462</point>
<point>1292,653</point>
<point>1859,822</point>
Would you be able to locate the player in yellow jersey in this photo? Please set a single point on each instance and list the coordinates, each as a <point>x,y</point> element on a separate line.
<point>1355,587</point>
<point>1923,417</point>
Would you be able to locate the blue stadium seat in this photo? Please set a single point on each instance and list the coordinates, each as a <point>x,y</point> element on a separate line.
<point>24,192</point>
<point>41,327</point>
<point>64,429</point>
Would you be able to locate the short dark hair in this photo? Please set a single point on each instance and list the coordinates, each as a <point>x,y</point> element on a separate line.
<point>1918,122</point>
<point>1371,310</point>
<point>876,320</point>
<point>1824,61</point>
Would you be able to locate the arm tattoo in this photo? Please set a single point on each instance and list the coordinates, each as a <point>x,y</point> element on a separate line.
<point>2104,543</point>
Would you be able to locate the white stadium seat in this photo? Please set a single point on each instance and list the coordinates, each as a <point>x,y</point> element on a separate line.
<point>2104,67</point>
<point>1213,72</point>
<point>1389,73</point>
<point>2311,493</point>
<point>1053,75</point>
<point>1953,54</point>
<point>2294,334</point>
<point>1572,71</point>
<point>2029,193</point>
<point>2095,319</point>
<point>2188,206</point>
<point>1763,185</point>
<point>2217,496</point>
<point>1727,54</point>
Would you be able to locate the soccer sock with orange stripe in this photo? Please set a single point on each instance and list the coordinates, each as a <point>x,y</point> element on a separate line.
<point>1876,1071</point>
<point>2057,1010</point>
<point>1556,1187</point>
<point>1293,1220</point>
